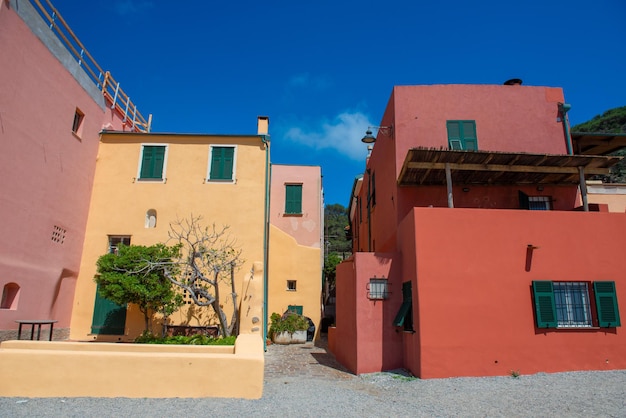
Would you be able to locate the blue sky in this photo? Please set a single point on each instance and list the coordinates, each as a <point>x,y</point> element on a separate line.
<point>323,71</point>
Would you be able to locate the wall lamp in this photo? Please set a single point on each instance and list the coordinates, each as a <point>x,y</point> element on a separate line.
<point>369,138</point>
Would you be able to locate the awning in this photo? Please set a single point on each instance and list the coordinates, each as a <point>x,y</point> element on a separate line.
<point>424,166</point>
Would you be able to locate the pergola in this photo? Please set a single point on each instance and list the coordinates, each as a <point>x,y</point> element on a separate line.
<point>424,166</point>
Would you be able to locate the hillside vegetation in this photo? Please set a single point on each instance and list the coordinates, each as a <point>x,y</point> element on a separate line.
<point>612,121</point>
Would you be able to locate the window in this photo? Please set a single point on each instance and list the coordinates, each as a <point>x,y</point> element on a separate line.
<point>10,294</point>
<point>116,240</point>
<point>152,162</point>
<point>291,285</point>
<point>78,121</point>
<point>405,313</point>
<point>297,309</point>
<point>568,304</point>
<point>222,164</point>
<point>377,289</point>
<point>534,202</point>
<point>293,199</point>
<point>462,135</point>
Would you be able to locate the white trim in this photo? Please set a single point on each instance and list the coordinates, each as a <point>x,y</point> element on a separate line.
<point>163,172</point>
<point>233,180</point>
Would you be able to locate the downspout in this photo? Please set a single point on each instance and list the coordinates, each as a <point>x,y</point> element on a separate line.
<point>563,109</point>
<point>266,141</point>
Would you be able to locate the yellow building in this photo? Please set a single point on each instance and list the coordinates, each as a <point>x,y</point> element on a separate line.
<point>142,183</point>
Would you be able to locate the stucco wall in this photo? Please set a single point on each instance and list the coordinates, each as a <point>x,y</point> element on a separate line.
<point>46,172</point>
<point>295,250</point>
<point>70,369</point>
<point>508,118</point>
<point>368,342</point>
<point>476,311</point>
<point>305,228</point>
<point>290,261</point>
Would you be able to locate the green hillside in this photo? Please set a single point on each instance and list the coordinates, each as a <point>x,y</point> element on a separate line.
<point>611,121</point>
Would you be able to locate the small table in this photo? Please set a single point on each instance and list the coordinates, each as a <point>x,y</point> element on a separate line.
<point>32,323</point>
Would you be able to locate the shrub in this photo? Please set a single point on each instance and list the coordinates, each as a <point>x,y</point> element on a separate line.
<point>198,339</point>
<point>289,322</point>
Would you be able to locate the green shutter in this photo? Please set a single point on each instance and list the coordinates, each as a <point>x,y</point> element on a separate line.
<point>545,308</point>
<point>470,142</point>
<point>606,304</point>
<point>293,198</point>
<point>454,135</point>
<point>152,162</point>
<point>524,202</point>
<point>462,135</point>
<point>407,302</point>
<point>222,161</point>
<point>295,309</point>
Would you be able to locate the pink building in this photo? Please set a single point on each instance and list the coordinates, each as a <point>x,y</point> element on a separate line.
<point>51,112</point>
<point>472,253</point>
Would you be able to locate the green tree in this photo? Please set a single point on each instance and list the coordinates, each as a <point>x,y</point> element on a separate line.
<point>330,268</point>
<point>335,223</point>
<point>137,274</point>
<point>611,121</point>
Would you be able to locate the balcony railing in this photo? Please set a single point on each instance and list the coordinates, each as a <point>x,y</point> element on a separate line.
<point>114,96</point>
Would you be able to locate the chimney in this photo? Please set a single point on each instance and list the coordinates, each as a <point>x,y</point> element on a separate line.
<point>263,125</point>
<point>513,82</point>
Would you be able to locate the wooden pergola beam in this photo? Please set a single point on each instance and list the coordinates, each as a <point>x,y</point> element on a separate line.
<point>505,168</point>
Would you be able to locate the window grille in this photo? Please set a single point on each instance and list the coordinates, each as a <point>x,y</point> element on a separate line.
<point>571,300</point>
<point>377,289</point>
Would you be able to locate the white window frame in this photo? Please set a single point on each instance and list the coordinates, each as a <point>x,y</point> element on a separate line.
<point>210,162</point>
<point>163,172</point>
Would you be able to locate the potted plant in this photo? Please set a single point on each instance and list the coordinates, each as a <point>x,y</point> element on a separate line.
<point>288,329</point>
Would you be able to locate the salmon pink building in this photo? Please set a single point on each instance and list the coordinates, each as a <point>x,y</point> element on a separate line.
<point>54,102</point>
<point>476,250</point>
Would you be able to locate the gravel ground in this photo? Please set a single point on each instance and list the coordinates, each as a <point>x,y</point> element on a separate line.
<point>576,394</point>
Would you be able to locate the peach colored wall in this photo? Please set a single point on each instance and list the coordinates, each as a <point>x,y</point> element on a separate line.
<point>119,204</point>
<point>368,343</point>
<point>476,314</point>
<point>613,195</point>
<point>46,173</point>
<point>71,369</point>
<point>290,261</point>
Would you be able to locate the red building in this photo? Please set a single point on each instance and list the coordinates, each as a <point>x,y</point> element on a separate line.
<point>473,255</point>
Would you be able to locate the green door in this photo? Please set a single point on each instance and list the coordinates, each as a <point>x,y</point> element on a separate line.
<point>109,318</point>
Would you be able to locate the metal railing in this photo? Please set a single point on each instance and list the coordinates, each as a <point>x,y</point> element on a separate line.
<point>115,97</point>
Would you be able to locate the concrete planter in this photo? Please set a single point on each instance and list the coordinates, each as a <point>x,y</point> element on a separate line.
<point>298,337</point>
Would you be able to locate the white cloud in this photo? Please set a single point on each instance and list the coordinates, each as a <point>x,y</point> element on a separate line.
<point>343,135</point>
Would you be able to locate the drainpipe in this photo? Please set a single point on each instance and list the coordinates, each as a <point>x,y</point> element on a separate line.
<point>266,141</point>
<point>563,109</point>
